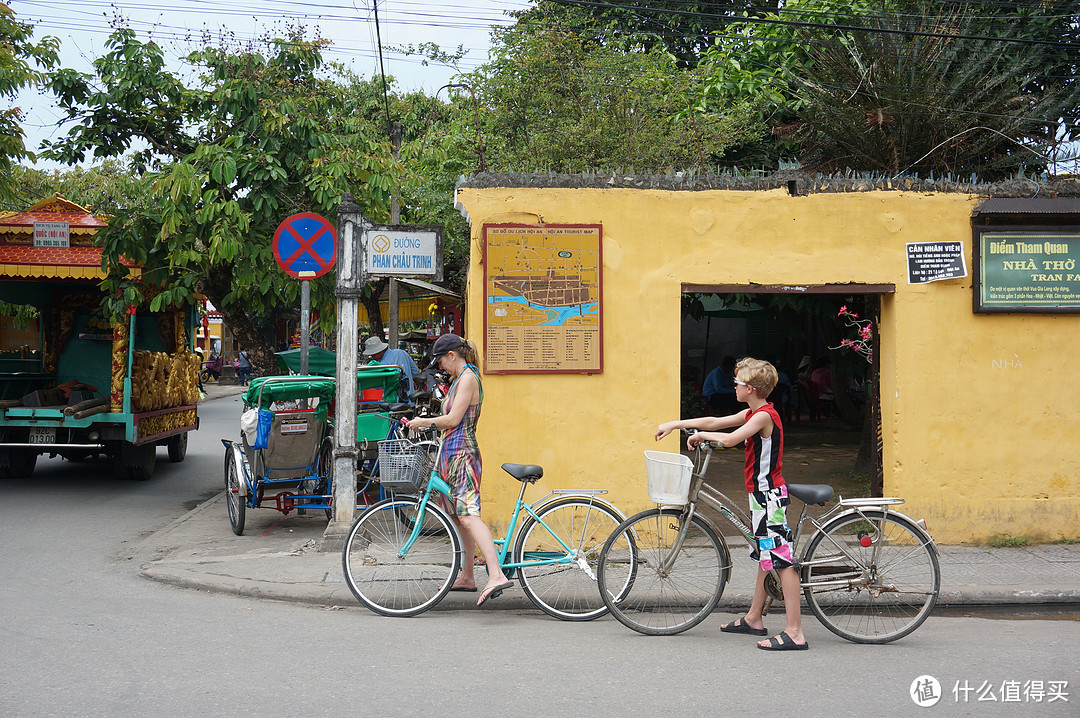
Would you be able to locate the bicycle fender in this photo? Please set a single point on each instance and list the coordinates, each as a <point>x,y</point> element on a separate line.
<point>884,508</point>
<point>240,463</point>
<point>590,495</point>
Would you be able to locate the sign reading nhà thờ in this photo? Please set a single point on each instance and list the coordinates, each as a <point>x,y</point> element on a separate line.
<point>1028,271</point>
<point>51,234</point>
<point>543,298</point>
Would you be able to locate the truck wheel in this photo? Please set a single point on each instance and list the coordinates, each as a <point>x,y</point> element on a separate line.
<point>177,446</point>
<point>137,462</point>
<point>20,464</point>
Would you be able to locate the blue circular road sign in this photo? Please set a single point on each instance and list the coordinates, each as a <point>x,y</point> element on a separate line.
<point>305,246</point>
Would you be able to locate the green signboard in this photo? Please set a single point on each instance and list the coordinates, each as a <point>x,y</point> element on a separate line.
<point>1027,271</point>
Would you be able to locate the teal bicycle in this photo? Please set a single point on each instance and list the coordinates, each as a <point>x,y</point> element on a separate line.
<point>402,554</point>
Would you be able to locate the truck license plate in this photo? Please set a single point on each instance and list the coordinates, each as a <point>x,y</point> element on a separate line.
<point>42,435</point>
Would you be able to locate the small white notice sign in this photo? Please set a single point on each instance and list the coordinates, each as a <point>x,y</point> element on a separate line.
<point>51,234</point>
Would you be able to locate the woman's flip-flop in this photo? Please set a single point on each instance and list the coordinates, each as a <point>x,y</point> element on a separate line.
<point>740,626</point>
<point>494,592</point>
<point>466,589</point>
<point>783,642</point>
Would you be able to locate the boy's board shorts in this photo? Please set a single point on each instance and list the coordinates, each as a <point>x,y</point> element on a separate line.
<point>768,518</point>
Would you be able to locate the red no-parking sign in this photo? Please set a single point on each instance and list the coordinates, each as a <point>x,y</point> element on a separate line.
<point>305,246</point>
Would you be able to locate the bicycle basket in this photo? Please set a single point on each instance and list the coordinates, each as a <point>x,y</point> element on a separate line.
<point>669,477</point>
<point>404,465</point>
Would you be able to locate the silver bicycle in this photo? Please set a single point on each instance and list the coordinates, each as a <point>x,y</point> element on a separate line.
<point>868,572</point>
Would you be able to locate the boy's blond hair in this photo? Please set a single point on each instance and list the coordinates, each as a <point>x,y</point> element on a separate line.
<point>757,373</point>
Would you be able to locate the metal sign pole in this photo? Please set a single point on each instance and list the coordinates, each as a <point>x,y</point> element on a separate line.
<point>305,323</point>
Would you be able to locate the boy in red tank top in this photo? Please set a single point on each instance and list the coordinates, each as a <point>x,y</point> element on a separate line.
<point>762,435</point>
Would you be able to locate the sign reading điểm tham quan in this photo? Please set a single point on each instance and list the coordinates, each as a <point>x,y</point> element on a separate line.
<point>543,298</point>
<point>1028,272</point>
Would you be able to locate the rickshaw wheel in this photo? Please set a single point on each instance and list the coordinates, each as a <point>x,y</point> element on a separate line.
<point>234,501</point>
<point>325,471</point>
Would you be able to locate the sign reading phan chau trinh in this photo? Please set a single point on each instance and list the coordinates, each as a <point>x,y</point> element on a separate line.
<point>403,250</point>
<point>1030,271</point>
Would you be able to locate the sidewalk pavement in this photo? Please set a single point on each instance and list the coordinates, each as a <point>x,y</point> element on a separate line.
<point>279,558</point>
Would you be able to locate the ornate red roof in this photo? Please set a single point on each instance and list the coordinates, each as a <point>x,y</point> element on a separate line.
<point>53,209</point>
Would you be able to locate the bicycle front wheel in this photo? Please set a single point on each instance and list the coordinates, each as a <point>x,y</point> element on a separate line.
<point>234,502</point>
<point>875,593</point>
<point>389,580</point>
<point>566,544</point>
<point>666,594</point>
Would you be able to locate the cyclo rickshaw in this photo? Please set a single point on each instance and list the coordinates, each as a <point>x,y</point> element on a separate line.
<point>284,458</point>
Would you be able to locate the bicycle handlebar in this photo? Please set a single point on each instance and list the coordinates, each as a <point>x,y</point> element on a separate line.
<point>705,444</point>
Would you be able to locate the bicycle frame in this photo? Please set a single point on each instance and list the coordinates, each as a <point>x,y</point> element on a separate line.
<point>546,558</point>
<point>570,555</point>
<point>713,498</point>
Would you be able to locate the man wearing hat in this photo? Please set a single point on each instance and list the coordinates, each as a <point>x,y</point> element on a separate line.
<point>380,351</point>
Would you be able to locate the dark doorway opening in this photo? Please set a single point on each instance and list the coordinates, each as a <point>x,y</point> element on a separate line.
<point>831,437</point>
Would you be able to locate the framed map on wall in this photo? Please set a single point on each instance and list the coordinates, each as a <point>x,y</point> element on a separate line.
<point>543,298</point>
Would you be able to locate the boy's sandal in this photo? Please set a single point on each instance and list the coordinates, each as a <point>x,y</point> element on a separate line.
<point>783,642</point>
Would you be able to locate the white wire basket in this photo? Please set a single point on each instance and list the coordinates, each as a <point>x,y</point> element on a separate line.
<point>405,465</point>
<point>669,477</point>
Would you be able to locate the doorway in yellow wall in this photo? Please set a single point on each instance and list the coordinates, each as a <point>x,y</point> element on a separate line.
<point>799,330</point>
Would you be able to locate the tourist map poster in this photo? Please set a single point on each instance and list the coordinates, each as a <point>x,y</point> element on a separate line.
<point>543,308</point>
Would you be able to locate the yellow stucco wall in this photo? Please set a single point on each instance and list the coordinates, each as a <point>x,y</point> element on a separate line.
<point>979,411</point>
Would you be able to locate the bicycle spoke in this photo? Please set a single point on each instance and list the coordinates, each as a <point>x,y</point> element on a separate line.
<point>572,528</point>
<point>890,587</point>
<point>383,575</point>
<point>667,600</point>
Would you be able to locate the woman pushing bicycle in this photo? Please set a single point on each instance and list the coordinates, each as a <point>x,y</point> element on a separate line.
<point>460,465</point>
<point>762,435</point>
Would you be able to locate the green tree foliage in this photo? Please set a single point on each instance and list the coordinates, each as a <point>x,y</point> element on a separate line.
<point>554,99</point>
<point>106,188</point>
<point>682,28</point>
<point>22,64</point>
<point>915,85</point>
<point>256,139</point>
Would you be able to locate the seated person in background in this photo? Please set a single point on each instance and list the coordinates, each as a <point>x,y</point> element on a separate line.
<point>822,379</point>
<point>719,389</point>
<point>380,351</point>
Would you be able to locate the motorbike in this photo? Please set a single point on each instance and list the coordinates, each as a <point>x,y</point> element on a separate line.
<point>212,368</point>
<point>428,402</point>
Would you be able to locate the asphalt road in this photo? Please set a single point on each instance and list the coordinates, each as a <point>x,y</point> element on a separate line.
<point>85,636</point>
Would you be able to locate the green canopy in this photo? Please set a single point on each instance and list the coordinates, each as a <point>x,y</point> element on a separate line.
<point>322,362</point>
<point>282,388</point>
<point>370,376</point>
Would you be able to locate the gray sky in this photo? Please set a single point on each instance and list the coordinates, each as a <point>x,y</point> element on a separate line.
<point>178,26</point>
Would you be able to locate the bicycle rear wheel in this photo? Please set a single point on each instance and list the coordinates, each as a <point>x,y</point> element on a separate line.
<point>388,582</point>
<point>876,593</point>
<point>659,601</point>
<point>567,591</point>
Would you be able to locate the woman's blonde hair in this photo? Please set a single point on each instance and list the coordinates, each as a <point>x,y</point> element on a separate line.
<point>468,353</point>
<point>757,373</point>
